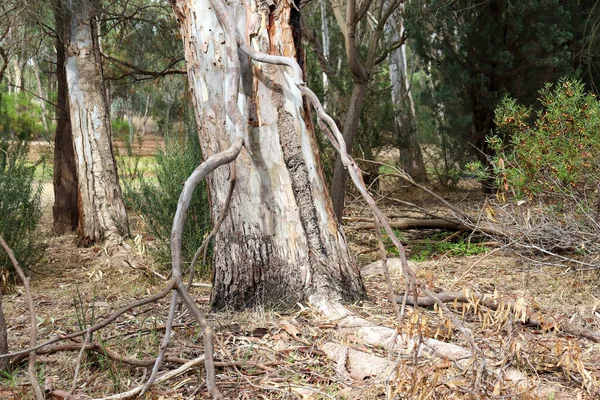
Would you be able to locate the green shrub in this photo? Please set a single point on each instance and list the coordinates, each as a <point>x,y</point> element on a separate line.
<point>156,199</point>
<point>120,128</point>
<point>436,246</point>
<point>20,117</point>
<point>551,150</point>
<point>20,206</point>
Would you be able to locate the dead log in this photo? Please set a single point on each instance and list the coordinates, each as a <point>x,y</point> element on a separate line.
<point>449,224</point>
<point>525,315</point>
<point>412,223</point>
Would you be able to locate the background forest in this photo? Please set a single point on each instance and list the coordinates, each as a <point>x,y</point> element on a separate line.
<point>475,125</point>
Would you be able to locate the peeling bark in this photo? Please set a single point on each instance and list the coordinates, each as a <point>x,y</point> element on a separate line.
<point>102,212</point>
<point>280,243</point>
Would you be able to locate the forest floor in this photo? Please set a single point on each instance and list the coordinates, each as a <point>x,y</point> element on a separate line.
<point>267,354</point>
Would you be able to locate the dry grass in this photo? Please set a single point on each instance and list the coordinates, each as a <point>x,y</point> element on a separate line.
<point>283,352</point>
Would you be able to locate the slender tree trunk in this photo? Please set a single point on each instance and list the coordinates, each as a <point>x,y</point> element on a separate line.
<point>325,41</point>
<point>146,116</point>
<point>38,81</point>
<point>102,212</point>
<point>167,127</point>
<point>280,243</point>
<point>18,78</point>
<point>405,130</point>
<point>65,211</point>
<point>129,116</point>
<point>338,182</point>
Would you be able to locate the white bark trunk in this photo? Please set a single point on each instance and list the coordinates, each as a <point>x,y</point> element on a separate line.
<point>101,208</point>
<point>281,242</point>
<point>411,157</point>
<point>36,70</point>
<point>325,40</point>
<point>129,116</point>
<point>146,116</point>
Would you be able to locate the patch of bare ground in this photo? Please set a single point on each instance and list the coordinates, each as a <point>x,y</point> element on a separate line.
<point>271,355</point>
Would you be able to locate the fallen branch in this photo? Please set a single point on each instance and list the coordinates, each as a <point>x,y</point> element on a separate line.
<point>170,374</point>
<point>525,315</point>
<point>413,223</point>
<point>136,362</point>
<point>203,249</point>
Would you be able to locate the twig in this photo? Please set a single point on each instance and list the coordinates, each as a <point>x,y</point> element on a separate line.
<point>78,364</point>
<point>99,325</point>
<point>162,378</point>
<point>164,344</point>
<point>386,273</point>
<point>39,395</point>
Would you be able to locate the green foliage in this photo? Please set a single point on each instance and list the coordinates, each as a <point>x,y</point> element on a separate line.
<point>20,205</point>
<point>120,128</point>
<point>9,378</point>
<point>156,199</point>
<point>435,246</point>
<point>427,251</point>
<point>20,117</point>
<point>472,55</point>
<point>552,149</point>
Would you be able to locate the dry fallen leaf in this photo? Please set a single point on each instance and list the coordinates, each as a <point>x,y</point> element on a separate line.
<point>291,329</point>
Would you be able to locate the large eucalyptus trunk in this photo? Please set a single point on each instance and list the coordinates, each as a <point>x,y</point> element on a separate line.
<point>101,210</point>
<point>65,211</point>
<point>281,243</point>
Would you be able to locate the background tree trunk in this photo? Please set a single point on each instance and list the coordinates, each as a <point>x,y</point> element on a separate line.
<point>102,212</point>
<point>280,243</point>
<point>40,92</point>
<point>405,129</point>
<point>338,182</point>
<point>65,211</point>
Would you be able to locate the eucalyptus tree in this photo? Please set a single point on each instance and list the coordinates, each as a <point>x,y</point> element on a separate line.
<point>362,24</point>
<point>405,126</point>
<point>280,242</point>
<point>102,213</point>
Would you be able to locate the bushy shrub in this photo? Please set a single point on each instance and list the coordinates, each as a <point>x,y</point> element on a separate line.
<point>20,206</point>
<point>156,200</point>
<point>549,159</point>
<point>550,150</point>
<point>120,128</point>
